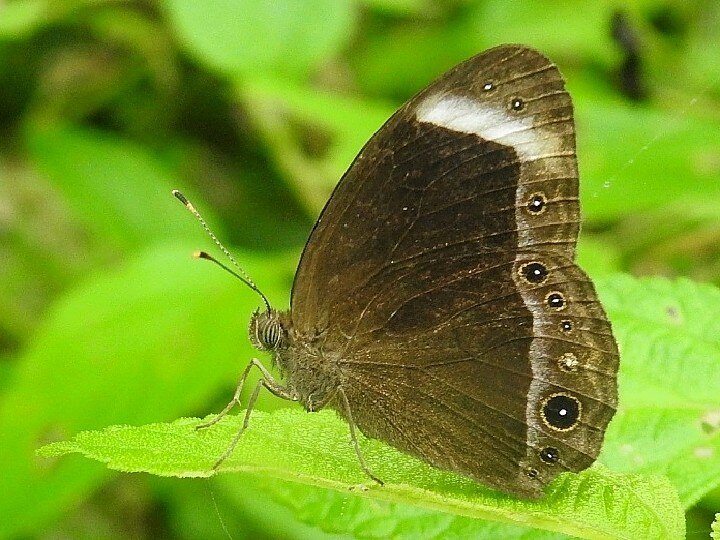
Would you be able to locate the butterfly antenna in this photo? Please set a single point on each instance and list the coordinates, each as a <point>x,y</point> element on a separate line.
<point>240,274</point>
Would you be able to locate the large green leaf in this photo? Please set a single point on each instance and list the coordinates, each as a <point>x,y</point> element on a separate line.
<point>314,449</point>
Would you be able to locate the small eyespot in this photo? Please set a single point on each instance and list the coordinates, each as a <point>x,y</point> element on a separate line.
<point>566,326</point>
<point>531,472</point>
<point>561,412</point>
<point>488,86</point>
<point>555,300</point>
<point>550,455</point>
<point>534,272</point>
<point>568,362</point>
<point>517,104</point>
<point>536,203</point>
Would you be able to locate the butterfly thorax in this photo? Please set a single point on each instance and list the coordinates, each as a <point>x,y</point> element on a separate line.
<point>311,375</point>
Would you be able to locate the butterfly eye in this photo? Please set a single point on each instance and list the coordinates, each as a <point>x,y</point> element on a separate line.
<point>271,334</point>
<point>266,331</point>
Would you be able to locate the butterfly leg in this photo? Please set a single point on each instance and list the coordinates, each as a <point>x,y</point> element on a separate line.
<point>353,437</point>
<point>246,421</point>
<point>268,382</point>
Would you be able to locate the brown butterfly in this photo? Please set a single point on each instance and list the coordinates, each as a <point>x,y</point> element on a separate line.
<point>437,305</point>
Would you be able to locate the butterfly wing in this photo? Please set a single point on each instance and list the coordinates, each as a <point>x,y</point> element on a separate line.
<point>472,392</point>
<point>441,278</point>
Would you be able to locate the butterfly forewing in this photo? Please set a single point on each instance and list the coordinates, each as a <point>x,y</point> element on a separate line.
<point>417,186</point>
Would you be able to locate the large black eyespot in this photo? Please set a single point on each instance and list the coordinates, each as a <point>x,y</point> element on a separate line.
<point>517,104</point>
<point>536,203</point>
<point>561,412</point>
<point>550,455</point>
<point>555,300</point>
<point>534,272</point>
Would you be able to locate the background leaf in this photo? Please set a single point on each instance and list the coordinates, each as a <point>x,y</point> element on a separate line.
<point>244,36</point>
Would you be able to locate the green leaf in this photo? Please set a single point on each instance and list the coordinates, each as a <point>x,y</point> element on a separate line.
<point>314,449</point>
<point>21,17</point>
<point>668,421</point>
<point>631,160</point>
<point>343,512</point>
<point>526,23</point>
<point>597,256</point>
<point>289,37</point>
<point>117,188</point>
<point>278,107</point>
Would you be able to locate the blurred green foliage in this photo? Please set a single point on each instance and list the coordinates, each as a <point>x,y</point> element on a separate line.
<point>254,109</point>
